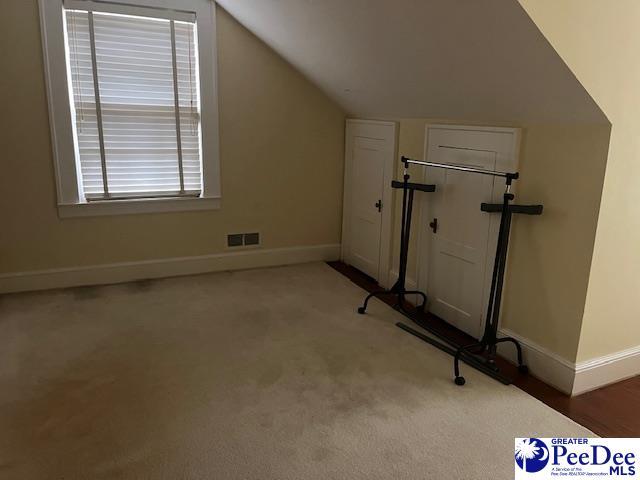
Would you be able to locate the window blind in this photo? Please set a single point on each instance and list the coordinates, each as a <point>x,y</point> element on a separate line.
<point>135,99</point>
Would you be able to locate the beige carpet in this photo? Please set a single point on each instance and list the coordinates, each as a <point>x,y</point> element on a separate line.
<point>262,374</point>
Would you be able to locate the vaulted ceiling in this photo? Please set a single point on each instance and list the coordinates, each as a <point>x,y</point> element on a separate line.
<point>481,60</point>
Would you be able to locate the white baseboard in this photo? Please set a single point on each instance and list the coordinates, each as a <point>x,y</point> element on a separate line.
<point>166,267</point>
<point>543,363</point>
<point>601,371</point>
<point>573,378</point>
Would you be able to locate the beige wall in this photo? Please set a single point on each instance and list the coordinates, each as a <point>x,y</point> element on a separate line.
<point>281,143</point>
<point>600,42</point>
<point>562,167</point>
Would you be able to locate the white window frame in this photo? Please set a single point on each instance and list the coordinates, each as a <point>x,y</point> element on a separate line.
<point>70,203</point>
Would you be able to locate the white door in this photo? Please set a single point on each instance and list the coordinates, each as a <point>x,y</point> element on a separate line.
<point>458,239</point>
<point>369,156</point>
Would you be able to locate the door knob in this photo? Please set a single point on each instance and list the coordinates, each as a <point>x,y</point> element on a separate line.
<point>379,205</point>
<point>434,225</point>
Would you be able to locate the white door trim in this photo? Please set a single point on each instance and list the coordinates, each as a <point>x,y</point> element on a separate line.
<point>387,194</point>
<point>507,163</point>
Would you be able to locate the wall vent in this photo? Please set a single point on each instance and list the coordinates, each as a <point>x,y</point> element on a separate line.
<point>243,239</point>
<point>235,240</point>
<point>252,239</point>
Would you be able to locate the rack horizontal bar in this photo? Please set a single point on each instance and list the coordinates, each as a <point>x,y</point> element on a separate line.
<point>447,166</point>
<point>414,186</point>
<point>525,209</point>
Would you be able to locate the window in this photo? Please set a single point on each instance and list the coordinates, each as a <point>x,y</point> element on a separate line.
<point>136,105</point>
<point>135,131</point>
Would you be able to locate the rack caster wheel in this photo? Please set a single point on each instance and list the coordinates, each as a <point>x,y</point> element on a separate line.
<point>460,381</point>
<point>523,369</point>
<point>361,310</point>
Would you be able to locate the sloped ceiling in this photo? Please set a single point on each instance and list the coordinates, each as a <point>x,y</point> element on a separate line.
<point>482,60</point>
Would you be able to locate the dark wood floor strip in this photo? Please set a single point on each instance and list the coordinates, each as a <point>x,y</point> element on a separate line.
<point>610,411</point>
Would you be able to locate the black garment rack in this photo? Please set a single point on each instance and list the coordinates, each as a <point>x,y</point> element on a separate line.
<point>481,354</point>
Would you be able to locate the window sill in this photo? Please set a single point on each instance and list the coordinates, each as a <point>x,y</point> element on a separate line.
<point>135,206</point>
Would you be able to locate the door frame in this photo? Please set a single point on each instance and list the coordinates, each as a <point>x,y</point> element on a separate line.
<point>388,131</point>
<point>507,161</point>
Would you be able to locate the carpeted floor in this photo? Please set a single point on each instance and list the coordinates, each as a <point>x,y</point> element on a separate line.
<point>261,374</point>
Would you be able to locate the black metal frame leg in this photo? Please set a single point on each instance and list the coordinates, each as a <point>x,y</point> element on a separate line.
<point>522,368</point>
<point>490,339</point>
<point>400,301</point>
<point>363,308</point>
<point>423,305</point>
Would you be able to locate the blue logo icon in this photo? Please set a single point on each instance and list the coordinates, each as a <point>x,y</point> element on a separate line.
<point>532,455</point>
